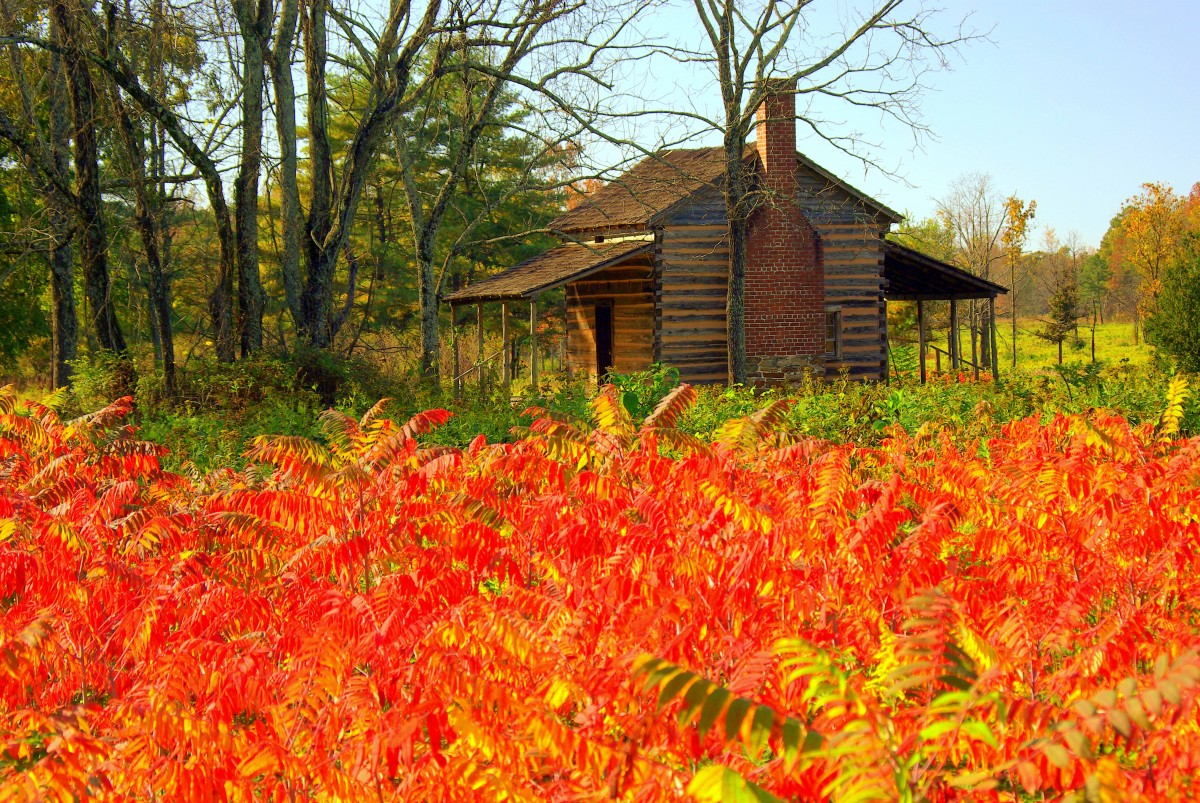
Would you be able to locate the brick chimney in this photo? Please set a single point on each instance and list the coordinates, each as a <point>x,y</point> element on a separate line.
<point>785,281</point>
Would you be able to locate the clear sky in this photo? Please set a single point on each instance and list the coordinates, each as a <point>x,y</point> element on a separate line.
<point>1073,104</point>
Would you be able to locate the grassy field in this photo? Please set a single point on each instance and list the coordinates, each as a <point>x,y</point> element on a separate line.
<point>1114,343</point>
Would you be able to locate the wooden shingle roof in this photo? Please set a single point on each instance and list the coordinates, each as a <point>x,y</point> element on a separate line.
<point>655,186</point>
<point>548,270</point>
<point>647,191</point>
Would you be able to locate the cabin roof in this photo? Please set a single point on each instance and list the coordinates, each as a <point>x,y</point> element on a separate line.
<point>913,276</point>
<point>649,191</point>
<point>646,191</point>
<point>548,270</point>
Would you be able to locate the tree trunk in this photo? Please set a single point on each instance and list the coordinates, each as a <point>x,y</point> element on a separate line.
<point>428,298</point>
<point>220,302</point>
<point>252,23</point>
<point>1013,283</point>
<point>90,210</point>
<point>1095,316</point>
<point>289,185</point>
<point>321,261</point>
<point>147,219</point>
<point>738,215</point>
<point>63,318</point>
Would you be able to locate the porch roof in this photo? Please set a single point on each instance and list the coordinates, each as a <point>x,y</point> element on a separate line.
<point>548,270</point>
<point>913,276</point>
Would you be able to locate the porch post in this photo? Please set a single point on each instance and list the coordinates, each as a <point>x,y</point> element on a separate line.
<point>992,335</point>
<point>457,380</point>
<point>505,363</point>
<point>954,333</point>
<point>566,341</point>
<point>974,340</point>
<point>921,335</point>
<point>479,355</point>
<point>533,352</point>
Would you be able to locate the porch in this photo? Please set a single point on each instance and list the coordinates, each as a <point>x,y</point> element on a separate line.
<point>609,308</point>
<point>912,276</point>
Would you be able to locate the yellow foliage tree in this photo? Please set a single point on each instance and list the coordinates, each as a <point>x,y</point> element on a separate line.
<point>1153,222</point>
<point>1017,215</point>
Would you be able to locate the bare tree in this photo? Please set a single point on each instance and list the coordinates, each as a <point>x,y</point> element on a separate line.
<point>878,60</point>
<point>531,55</point>
<point>976,214</point>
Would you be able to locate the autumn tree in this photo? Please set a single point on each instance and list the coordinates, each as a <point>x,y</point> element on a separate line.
<point>1153,224</point>
<point>1017,216</point>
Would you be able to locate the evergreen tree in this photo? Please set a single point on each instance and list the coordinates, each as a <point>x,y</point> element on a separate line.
<point>1175,327</point>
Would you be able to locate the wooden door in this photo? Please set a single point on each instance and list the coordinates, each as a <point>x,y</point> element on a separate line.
<point>604,341</point>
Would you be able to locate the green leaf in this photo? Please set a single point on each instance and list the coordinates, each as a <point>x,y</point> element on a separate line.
<point>674,686</point>
<point>719,784</point>
<point>940,728</point>
<point>1080,745</point>
<point>629,400</point>
<point>1085,708</point>
<point>695,697</point>
<point>791,742</point>
<point>980,780</point>
<point>760,727</point>
<point>956,682</point>
<point>979,731</point>
<point>1120,722</point>
<point>713,707</point>
<point>734,716</point>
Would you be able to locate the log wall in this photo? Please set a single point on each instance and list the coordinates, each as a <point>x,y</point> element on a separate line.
<point>693,271</point>
<point>629,288</point>
<point>852,255</point>
<point>671,308</point>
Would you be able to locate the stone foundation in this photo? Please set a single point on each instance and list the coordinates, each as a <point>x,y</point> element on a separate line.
<point>789,370</point>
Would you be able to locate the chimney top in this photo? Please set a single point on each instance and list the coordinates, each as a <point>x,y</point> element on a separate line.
<point>775,132</point>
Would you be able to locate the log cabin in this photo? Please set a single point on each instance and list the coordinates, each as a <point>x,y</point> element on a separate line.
<point>645,268</point>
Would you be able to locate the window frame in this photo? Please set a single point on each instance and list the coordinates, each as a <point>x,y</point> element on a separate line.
<point>836,311</point>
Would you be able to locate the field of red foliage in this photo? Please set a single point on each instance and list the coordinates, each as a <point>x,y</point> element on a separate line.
<point>601,611</point>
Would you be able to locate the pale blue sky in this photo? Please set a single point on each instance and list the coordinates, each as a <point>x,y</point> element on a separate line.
<point>1073,104</point>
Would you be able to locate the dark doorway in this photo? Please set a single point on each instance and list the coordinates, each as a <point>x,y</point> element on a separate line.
<point>604,341</point>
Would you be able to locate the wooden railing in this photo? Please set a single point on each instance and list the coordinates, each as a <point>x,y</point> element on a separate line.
<point>937,360</point>
<point>477,368</point>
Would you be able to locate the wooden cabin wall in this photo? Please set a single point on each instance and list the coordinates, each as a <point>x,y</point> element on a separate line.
<point>690,298</point>
<point>629,287</point>
<point>852,254</point>
<point>853,259</point>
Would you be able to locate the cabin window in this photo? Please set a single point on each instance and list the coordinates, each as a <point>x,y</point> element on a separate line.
<point>833,332</point>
